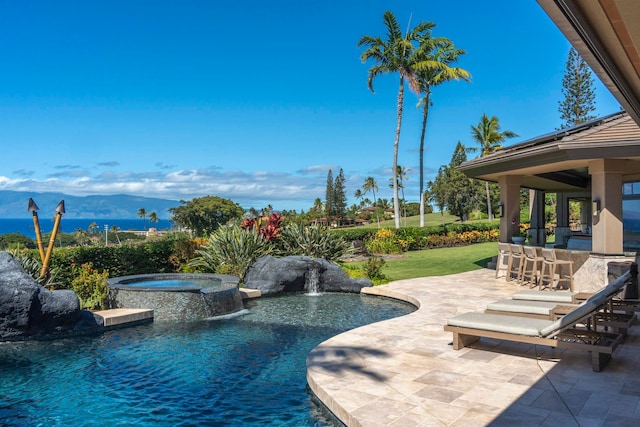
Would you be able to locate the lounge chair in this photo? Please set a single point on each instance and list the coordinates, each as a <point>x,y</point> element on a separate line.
<point>609,316</point>
<point>468,328</point>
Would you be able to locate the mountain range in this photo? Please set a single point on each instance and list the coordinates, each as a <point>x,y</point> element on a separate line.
<point>13,204</point>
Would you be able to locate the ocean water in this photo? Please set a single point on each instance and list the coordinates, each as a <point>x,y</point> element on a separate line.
<point>70,225</point>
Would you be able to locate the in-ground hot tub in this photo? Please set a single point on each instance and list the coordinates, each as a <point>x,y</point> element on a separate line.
<point>177,296</point>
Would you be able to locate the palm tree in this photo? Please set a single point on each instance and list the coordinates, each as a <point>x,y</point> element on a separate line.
<point>397,54</point>
<point>115,229</point>
<point>153,217</point>
<point>444,53</point>
<point>142,213</point>
<point>370,184</point>
<point>358,195</point>
<point>489,138</point>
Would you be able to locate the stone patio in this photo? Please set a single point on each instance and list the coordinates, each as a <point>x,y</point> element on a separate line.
<point>404,371</point>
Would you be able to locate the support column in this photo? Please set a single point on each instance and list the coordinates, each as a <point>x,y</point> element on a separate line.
<point>510,199</point>
<point>606,196</point>
<point>562,220</point>
<point>537,232</point>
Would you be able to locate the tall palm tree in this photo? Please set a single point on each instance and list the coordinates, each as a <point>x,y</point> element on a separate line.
<point>489,138</point>
<point>142,213</point>
<point>444,53</point>
<point>397,54</point>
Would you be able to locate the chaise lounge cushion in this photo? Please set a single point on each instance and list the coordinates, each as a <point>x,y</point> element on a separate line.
<point>523,306</point>
<point>555,296</point>
<point>500,323</point>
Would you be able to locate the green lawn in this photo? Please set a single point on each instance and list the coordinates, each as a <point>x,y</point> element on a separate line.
<point>440,262</point>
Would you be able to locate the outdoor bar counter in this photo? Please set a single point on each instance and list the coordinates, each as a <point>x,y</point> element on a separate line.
<point>590,270</point>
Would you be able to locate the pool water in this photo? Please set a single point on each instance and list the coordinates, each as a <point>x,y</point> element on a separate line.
<point>248,370</point>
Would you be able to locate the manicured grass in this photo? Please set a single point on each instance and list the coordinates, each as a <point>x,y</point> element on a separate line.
<point>440,262</point>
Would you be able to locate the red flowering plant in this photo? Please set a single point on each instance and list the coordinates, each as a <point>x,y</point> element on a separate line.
<point>268,227</point>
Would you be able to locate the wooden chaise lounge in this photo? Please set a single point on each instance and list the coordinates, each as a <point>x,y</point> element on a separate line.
<point>607,317</point>
<point>468,328</point>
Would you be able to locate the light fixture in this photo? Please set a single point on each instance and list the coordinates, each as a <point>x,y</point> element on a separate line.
<point>595,207</point>
<point>500,209</point>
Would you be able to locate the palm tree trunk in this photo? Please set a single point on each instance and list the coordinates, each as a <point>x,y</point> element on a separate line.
<point>489,202</point>
<point>396,143</point>
<point>425,115</point>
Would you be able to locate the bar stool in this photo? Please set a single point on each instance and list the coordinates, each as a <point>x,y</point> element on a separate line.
<point>551,266</point>
<point>515,262</point>
<point>503,258</point>
<point>531,264</point>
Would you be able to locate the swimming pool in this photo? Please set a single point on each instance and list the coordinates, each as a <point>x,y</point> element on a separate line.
<point>248,370</point>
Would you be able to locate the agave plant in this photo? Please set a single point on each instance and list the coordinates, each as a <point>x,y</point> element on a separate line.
<point>33,267</point>
<point>231,250</point>
<point>315,241</point>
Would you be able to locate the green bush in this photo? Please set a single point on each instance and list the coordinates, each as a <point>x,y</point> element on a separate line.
<point>371,269</point>
<point>231,250</point>
<point>313,240</point>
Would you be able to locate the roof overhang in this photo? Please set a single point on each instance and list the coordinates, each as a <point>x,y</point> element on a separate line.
<point>606,33</point>
<point>559,161</point>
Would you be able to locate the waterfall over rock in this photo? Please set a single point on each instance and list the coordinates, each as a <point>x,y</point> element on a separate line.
<point>297,274</point>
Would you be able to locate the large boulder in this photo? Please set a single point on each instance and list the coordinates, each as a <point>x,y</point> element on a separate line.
<point>27,309</point>
<point>300,274</point>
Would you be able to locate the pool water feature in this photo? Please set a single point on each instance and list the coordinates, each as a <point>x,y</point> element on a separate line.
<point>247,370</point>
<point>177,296</point>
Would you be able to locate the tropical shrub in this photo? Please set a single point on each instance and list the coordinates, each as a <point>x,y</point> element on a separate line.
<point>313,240</point>
<point>90,285</point>
<point>371,269</point>
<point>231,250</point>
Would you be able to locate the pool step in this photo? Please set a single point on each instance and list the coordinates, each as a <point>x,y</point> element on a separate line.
<point>124,316</point>
<point>248,293</point>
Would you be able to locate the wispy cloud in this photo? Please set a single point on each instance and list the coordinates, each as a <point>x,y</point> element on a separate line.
<point>161,165</point>
<point>67,167</point>
<point>109,164</point>
<point>69,174</point>
<point>23,173</point>
<point>317,170</point>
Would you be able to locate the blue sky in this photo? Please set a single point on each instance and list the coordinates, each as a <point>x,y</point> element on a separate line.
<point>252,101</point>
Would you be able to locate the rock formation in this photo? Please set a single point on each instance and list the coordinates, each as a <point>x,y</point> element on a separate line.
<point>29,310</point>
<point>300,273</point>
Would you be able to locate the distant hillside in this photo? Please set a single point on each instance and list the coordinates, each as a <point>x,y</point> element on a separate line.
<point>13,204</point>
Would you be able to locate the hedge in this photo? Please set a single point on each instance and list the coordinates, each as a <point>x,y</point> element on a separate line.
<point>417,238</point>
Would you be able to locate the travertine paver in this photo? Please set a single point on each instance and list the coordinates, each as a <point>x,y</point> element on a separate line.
<point>404,371</point>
